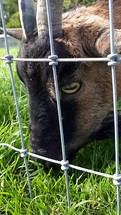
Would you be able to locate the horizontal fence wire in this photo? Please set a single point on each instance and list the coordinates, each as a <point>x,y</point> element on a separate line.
<point>106,59</point>
<point>57,162</point>
<point>64,163</point>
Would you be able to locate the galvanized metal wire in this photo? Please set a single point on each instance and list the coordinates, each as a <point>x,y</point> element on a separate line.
<point>53,63</point>
<point>53,60</point>
<point>113,69</point>
<point>9,61</point>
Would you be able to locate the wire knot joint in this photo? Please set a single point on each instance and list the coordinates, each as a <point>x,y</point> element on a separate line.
<point>117,180</point>
<point>9,59</point>
<point>64,165</point>
<point>23,152</point>
<point>54,60</point>
<point>114,59</point>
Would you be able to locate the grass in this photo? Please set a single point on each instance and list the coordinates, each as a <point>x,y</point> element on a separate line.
<point>90,194</point>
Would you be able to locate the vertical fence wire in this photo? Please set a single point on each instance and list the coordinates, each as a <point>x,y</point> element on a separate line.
<point>54,63</point>
<point>113,69</point>
<point>9,61</point>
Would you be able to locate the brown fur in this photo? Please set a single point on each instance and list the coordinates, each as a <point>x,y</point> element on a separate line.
<point>82,29</point>
<point>86,27</point>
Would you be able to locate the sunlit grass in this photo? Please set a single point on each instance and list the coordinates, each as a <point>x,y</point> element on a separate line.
<point>90,194</point>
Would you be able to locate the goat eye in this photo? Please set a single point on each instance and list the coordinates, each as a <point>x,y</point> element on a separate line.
<point>71,88</point>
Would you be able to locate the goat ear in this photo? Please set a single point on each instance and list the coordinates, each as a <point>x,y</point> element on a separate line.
<point>103,42</point>
<point>14,32</point>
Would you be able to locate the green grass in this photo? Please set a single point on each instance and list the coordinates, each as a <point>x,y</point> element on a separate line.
<point>90,194</point>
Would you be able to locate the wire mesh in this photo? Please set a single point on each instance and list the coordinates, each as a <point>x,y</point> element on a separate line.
<point>53,60</point>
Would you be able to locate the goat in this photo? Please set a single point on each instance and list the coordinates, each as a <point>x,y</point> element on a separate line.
<point>85,87</point>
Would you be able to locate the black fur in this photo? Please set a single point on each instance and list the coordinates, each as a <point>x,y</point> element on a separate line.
<point>44,128</point>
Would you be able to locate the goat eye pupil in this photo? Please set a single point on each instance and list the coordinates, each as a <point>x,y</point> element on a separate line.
<point>71,88</point>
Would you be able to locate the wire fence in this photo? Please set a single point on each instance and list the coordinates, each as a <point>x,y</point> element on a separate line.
<point>112,61</point>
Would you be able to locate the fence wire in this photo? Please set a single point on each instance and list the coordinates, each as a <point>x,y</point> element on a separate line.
<point>53,60</point>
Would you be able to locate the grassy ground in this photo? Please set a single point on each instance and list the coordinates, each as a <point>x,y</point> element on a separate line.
<point>90,194</point>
